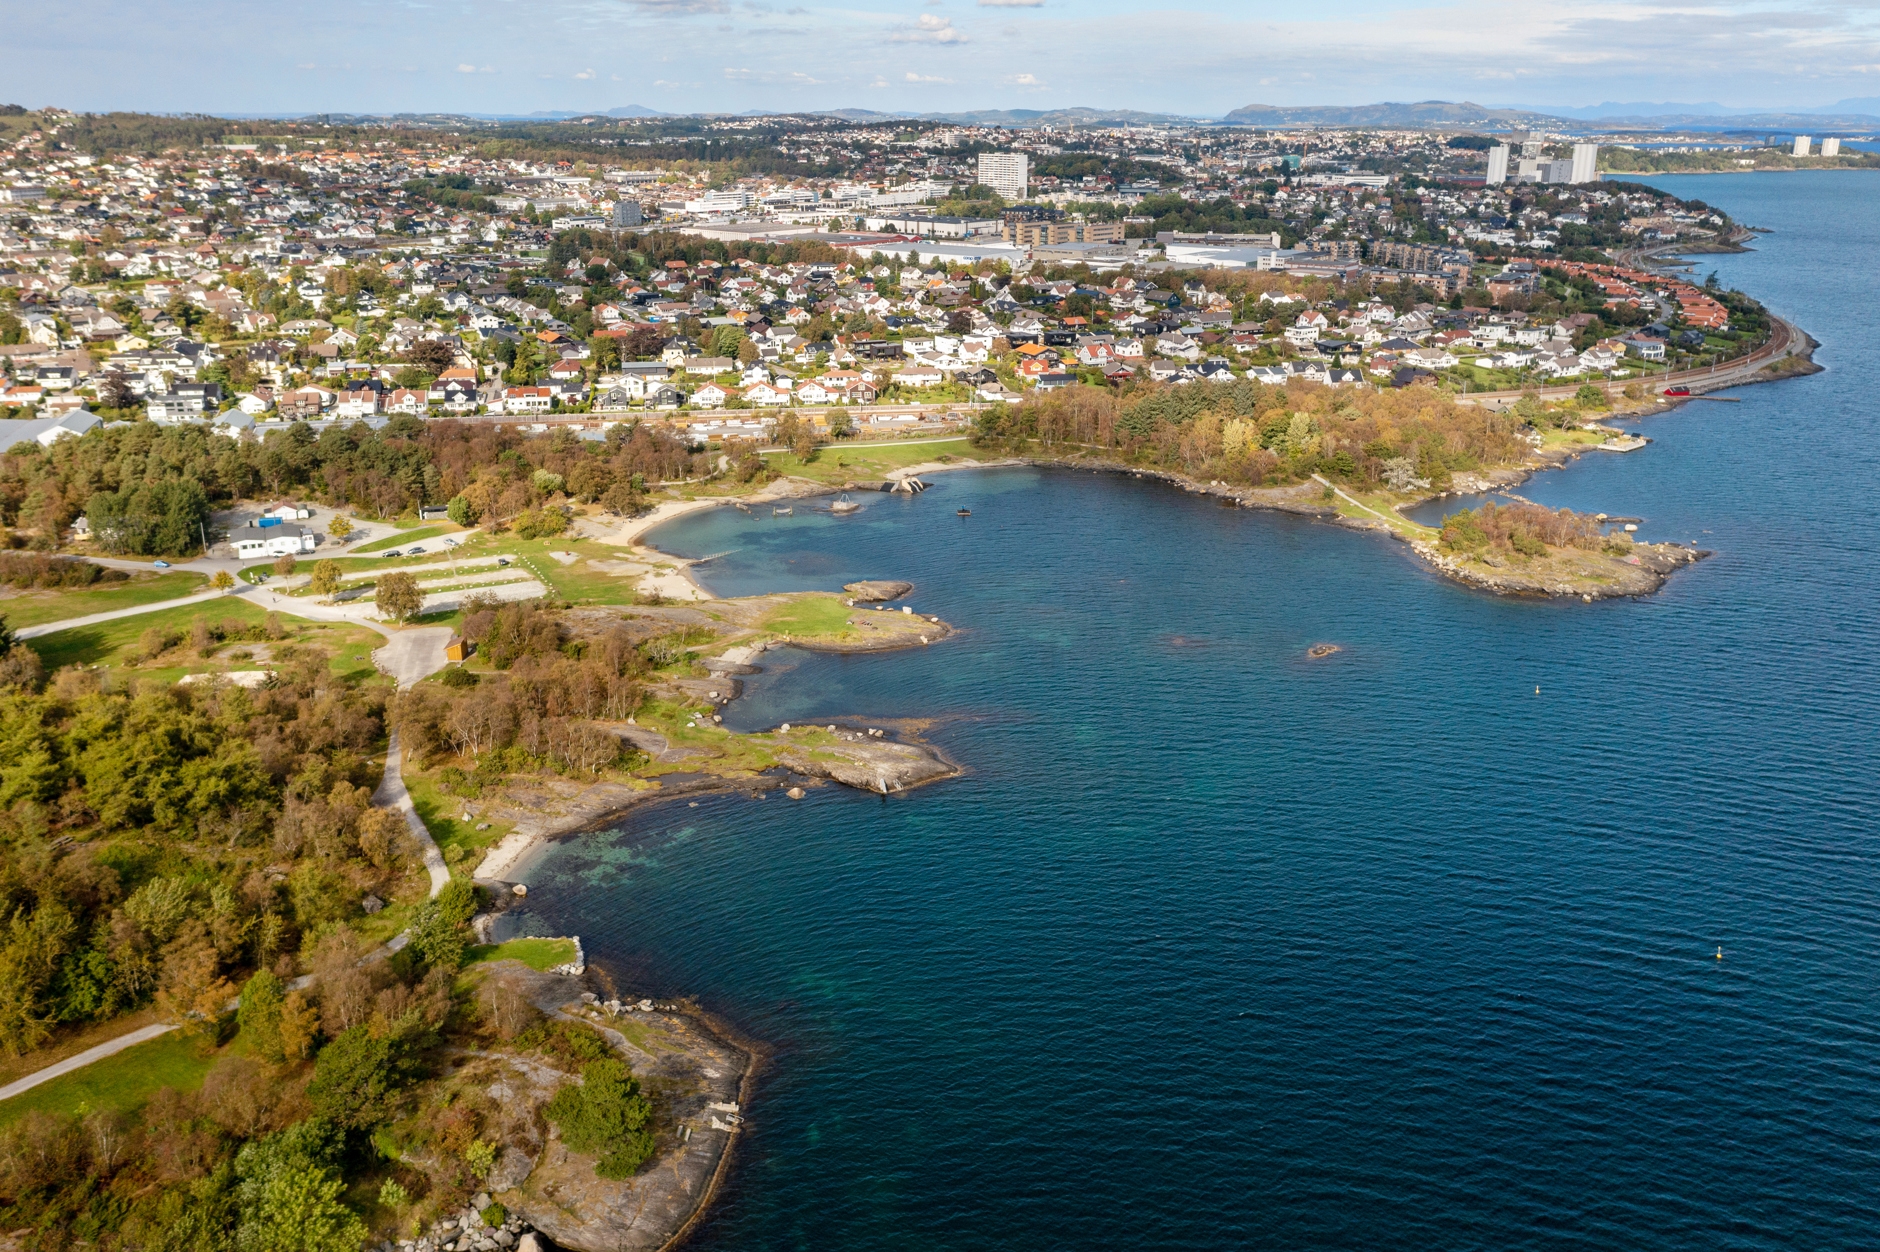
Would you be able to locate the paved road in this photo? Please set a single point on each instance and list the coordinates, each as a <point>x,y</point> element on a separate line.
<point>108,1048</point>
<point>392,795</point>
<point>47,628</point>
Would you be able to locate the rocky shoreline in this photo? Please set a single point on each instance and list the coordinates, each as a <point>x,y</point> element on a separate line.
<point>700,1075</point>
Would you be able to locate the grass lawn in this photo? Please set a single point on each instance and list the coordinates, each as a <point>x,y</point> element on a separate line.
<point>121,1082</point>
<point>1384,512</point>
<point>540,954</point>
<point>36,608</point>
<point>813,617</point>
<point>441,814</point>
<point>400,540</point>
<point>105,642</point>
<point>839,462</point>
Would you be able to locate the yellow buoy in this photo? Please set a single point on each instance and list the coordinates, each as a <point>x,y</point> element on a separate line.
<point>1719,954</point>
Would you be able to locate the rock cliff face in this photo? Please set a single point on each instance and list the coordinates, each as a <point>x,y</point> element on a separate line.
<point>695,1081</point>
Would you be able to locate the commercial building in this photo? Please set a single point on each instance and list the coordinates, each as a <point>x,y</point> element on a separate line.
<point>1801,145</point>
<point>929,226</point>
<point>1047,234</point>
<point>1556,171</point>
<point>283,540</point>
<point>1005,172</point>
<point>627,213</point>
<point>1498,164</point>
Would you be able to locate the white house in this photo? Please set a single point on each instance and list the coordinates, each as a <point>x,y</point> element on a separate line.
<point>253,542</point>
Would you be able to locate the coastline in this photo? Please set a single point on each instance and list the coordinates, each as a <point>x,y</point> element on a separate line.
<point>1652,566</point>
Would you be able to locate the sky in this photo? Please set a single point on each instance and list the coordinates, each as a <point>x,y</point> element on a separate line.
<point>519,56</point>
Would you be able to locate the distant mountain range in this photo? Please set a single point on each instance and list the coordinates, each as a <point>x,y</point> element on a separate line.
<point>1424,113</point>
<point>1015,117</point>
<point>1443,113</point>
<point>1860,114</point>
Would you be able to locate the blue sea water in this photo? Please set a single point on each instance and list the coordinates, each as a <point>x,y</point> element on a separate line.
<point>1218,946</point>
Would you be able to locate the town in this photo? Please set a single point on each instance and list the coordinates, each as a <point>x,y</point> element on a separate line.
<point>880,278</point>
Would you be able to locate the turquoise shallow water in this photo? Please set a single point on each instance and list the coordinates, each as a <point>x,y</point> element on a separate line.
<point>1217,946</point>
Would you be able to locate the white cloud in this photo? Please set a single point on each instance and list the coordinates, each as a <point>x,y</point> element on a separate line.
<point>731,73</point>
<point>467,68</point>
<point>680,8</point>
<point>1011,4</point>
<point>585,74</point>
<point>1026,80</point>
<point>929,29</point>
<point>912,77</point>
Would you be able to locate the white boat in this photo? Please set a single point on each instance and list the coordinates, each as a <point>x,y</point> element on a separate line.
<point>782,512</point>
<point>844,505</point>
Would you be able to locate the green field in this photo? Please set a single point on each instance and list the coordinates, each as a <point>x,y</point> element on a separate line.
<point>36,608</point>
<point>120,1082</point>
<point>461,842</point>
<point>535,953</point>
<point>812,618</point>
<point>107,643</point>
<point>838,462</point>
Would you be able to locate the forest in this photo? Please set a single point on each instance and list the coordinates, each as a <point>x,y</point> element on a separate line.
<point>1243,432</point>
<point>188,852</point>
<point>149,489</point>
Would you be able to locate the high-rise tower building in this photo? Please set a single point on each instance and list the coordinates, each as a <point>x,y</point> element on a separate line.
<point>1498,164</point>
<point>1005,172</point>
<point>1585,163</point>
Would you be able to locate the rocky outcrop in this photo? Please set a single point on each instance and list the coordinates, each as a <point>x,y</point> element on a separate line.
<point>696,1082</point>
<point>871,763</point>
<point>874,590</point>
<point>1571,573</point>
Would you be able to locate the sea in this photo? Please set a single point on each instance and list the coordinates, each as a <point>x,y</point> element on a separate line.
<point>1510,924</point>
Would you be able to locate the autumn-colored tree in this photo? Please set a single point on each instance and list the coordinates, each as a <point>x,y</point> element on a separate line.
<point>398,596</point>
<point>325,578</point>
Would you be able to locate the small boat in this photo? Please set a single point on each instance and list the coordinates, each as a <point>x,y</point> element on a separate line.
<point>963,512</point>
<point>782,512</point>
<point>844,505</point>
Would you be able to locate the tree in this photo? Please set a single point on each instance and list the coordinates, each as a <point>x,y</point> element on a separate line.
<point>621,499</point>
<point>440,930</point>
<point>461,511</point>
<point>605,1116</point>
<point>284,564</point>
<point>340,527</point>
<point>325,578</point>
<point>398,596</point>
<point>222,581</point>
<point>354,1078</point>
<point>260,1014</point>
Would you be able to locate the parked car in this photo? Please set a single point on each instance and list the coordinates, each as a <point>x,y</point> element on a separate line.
<point>394,552</point>
<point>161,564</point>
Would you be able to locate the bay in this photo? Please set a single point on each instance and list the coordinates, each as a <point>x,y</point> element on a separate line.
<point>1216,945</point>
